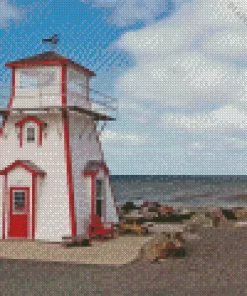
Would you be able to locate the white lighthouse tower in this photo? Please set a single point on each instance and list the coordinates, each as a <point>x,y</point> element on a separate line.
<point>52,169</point>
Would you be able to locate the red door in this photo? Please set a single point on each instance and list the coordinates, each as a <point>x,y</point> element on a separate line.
<point>19,208</point>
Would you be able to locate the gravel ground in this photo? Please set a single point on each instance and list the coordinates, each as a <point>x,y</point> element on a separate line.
<point>215,265</point>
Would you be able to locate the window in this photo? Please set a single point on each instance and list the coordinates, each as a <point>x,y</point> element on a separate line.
<point>27,80</point>
<point>19,201</point>
<point>36,78</point>
<point>30,134</point>
<point>99,188</point>
<point>76,82</point>
<point>99,197</point>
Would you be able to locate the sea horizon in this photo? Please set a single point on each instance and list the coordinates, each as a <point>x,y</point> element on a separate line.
<point>182,190</point>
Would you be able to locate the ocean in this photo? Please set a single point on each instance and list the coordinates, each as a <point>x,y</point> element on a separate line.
<point>190,191</point>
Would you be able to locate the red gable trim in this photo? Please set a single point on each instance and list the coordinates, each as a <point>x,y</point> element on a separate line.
<point>19,163</point>
<point>102,167</point>
<point>90,173</point>
<point>30,118</point>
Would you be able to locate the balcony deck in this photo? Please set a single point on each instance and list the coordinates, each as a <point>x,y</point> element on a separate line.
<point>50,109</point>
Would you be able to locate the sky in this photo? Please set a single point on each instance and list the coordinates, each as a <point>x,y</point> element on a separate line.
<point>177,67</point>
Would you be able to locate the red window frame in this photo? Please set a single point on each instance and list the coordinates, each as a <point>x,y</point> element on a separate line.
<point>26,190</point>
<point>40,124</point>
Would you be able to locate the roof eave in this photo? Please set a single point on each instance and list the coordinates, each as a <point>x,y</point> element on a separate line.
<point>61,61</point>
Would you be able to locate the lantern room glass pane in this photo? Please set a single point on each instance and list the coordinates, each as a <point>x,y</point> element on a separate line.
<point>76,82</point>
<point>37,78</point>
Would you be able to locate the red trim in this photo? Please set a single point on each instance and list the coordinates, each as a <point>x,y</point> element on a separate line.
<point>93,194</point>
<point>93,175</point>
<point>36,63</point>
<point>90,173</point>
<point>50,63</point>
<point>21,164</point>
<point>68,153</point>
<point>102,167</point>
<point>30,118</point>
<point>108,172</point>
<point>34,183</point>
<point>34,119</point>
<point>5,188</point>
<point>27,210</point>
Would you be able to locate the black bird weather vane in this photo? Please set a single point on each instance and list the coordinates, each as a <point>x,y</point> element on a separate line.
<point>52,41</point>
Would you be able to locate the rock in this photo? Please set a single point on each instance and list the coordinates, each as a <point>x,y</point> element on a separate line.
<point>151,250</point>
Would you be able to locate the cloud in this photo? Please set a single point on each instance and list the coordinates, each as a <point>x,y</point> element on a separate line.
<point>9,12</point>
<point>187,81</point>
<point>188,60</point>
<point>189,67</point>
<point>128,12</point>
<point>224,120</point>
<point>227,43</point>
<point>218,145</point>
<point>122,138</point>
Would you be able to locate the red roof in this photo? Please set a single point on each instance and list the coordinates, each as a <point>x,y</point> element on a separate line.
<point>47,58</point>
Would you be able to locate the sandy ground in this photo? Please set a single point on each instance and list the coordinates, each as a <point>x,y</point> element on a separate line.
<point>216,264</point>
<point>118,251</point>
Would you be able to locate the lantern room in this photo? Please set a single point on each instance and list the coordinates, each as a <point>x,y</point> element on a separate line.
<point>41,80</point>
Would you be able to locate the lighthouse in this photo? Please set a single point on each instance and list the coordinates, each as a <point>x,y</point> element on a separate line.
<point>53,176</point>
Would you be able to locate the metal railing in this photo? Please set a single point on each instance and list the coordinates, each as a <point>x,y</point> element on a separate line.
<point>89,98</point>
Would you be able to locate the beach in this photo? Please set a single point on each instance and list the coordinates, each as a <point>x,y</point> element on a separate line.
<point>216,264</point>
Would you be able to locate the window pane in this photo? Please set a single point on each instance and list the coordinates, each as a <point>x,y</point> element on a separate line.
<point>28,79</point>
<point>36,78</point>
<point>30,134</point>
<point>99,207</point>
<point>98,188</point>
<point>19,201</point>
<point>76,82</point>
